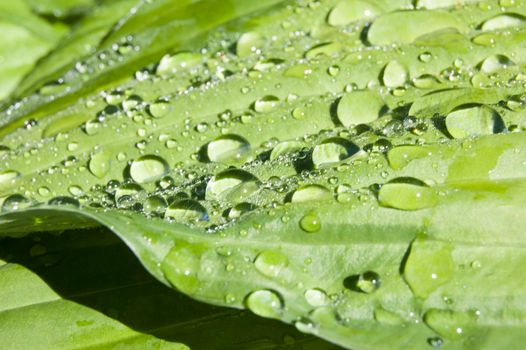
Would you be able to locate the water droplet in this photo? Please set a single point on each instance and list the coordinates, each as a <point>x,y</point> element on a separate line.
<point>182,264</point>
<point>249,43</point>
<point>8,176</point>
<point>64,201</point>
<point>286,147</point>
<point>333,150</point>
<point>494,63</point>
<point>265,303</point>
<point>400,156</point>
<point>159,109</point>
<point>172,64</point>
<point>266,104</point>
<point>450,324</point>
<point>15,202</point>
<point>473,121</point>
<point>310,193</point>
<point>503,21</point>
<point>298,71</point>
<point>186,210</point>
<point>435,342</point>
<point>407,196</point>
<point>310,223</point>
<point>438,269</point>
<point>240,209</point>
<point>425,57</point>
<point>359,107</point>
<point>347,11</point>
<point>148,168</point>
<point>233,185</point>
<point>44,191</point>
<point>333,70</point>
<point>367,282</point>
<point>75,190</point>
<point>394,75</point>
<point>271,263</point>
<point>229,149</point>
<point>330,49</point>
<point>99,164</point>
<point>154,205</point>
<point>316,297</point>
<point>92,127</point>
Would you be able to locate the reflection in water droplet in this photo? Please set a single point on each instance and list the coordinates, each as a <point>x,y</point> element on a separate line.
<point>265,303</point>
<point>148,168</point>
<point>271,263</point>
<point>229,149</point>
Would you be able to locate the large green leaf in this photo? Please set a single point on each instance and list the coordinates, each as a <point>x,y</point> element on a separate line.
<point>362,181</point>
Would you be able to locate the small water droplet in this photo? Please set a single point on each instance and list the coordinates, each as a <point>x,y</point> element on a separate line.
<point>265,303</point>
<point>310,223</point>
<point>271,263</point>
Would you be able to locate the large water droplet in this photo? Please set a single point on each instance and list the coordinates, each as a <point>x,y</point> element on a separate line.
<point>15,202</point>
<point>347,11</point>
<point>8,176</point>
<point>99,164</point>
<point>183,60</point>
<point>407,196</point>
<point>311,193</point>
<point>159,109</point>
<point>266,104</point>
<point>333,150</point>
<point>394,75</point>
<point>249,43</point>
<point>148,168</point>
<point>286,147</point>
<point>359,107</point>
<point>310,222</point>
<point>154,205</point>
<point>473,121</point>
<point>316,297</point>
<point>450,324</point>
<point>182,264</point>
<point>229,149</point>
<point>186,210</point>
<point>367,282</point>
<point>265,303</point>
<point>495,63</point>
<point>271,263</point>
<point>503,21</point>
<point>428,266</point>
<point>400,156</point>
<point>233,185</point>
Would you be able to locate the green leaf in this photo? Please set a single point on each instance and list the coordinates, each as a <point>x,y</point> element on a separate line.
<point>351,178</point>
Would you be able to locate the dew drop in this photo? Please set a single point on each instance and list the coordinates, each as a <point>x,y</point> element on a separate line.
<point>159,109</point>
<point>182,264</point>
<point>347,11</point>
<point>233,185</point>
<point>229,149</point>
<point>367,282</point>
<point>249,43</point>
<point>310,223</point>
<point>316,297</point>
<point>15,202</point>
<point>8,176</point>
<point>271,263</point>
<point>407,196</point>
<point>503,21</point>
<point>186,210</point>
<point>333,150</point>
<point>265,303</point>
<point>310,193</point>
<point>99,164</point>
<point>473,121</point>
<point>266,104</point>
<point>148,168</point>
<point>359,107</point>
<point>394,75</point>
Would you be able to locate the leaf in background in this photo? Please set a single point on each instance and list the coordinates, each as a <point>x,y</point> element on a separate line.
<point>90,290</point>
<point>25,39</point>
